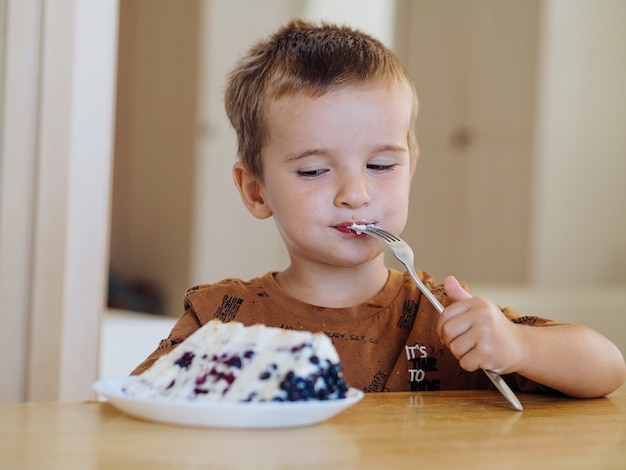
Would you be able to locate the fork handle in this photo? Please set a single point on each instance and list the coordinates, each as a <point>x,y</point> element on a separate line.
<point>504,389</point>
<point>429,295</point>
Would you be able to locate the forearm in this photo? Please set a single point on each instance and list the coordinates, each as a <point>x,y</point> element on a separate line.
<point>570,358</point>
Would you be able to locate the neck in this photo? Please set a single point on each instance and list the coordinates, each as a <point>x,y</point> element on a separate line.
<point>333,287</point>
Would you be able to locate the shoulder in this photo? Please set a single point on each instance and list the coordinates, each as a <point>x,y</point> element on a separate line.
<point>228,298</point>
<point>228,286</point>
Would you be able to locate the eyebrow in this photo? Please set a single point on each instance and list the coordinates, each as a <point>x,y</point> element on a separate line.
<point>324,151</point>
<point>307,153</point>
<point>391,148</point>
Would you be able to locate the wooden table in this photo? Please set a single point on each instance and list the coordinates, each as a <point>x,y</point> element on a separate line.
<point>385,430</point>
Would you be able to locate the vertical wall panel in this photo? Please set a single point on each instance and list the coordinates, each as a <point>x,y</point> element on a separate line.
<point>19,68</point>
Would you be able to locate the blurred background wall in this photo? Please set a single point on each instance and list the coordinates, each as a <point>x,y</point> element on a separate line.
<point>520,177</point>
<point>155,141</point>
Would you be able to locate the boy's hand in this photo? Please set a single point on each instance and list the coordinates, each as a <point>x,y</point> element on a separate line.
<point>477,333</point>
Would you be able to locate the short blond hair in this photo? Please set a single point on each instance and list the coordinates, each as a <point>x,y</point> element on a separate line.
<point>308,58</point>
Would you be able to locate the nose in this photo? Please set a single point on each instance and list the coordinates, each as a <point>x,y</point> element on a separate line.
<point>352,191</point>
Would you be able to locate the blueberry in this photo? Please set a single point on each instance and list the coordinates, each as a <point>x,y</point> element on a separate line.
<point>234,361</point>
<point>185,360</point>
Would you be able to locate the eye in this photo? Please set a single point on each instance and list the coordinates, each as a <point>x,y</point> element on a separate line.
<point>380,168</point>
<point>313,173</point>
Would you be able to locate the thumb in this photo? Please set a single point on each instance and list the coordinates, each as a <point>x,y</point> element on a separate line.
<point>454,289</point>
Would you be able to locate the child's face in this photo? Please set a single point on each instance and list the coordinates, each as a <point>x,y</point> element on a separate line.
<point>338,159</point>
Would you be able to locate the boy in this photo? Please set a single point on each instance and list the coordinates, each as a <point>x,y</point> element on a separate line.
<point>325,122</point>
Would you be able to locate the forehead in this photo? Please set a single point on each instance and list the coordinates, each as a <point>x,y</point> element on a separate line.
<point>342,120</point>
<point>293,102</point>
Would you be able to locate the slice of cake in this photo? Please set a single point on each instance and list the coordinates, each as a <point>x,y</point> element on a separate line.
<point>229,361</point>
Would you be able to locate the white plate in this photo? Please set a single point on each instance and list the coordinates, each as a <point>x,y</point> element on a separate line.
<point>258,415</point>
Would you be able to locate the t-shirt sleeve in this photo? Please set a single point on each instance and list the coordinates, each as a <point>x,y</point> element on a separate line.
<point>185,326</point>
<point>529,320</point>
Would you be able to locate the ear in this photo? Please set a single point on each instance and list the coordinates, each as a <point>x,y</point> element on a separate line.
<point>251,191</point>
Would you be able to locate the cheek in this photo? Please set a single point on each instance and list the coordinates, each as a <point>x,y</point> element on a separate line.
<point>395,192</point>
<point>396,202</point>
<point>291,204</point>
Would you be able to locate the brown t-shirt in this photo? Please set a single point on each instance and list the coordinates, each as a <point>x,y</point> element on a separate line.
<point>387,344</point>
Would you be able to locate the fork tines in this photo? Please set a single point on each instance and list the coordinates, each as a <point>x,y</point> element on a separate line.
<point>382,233</point>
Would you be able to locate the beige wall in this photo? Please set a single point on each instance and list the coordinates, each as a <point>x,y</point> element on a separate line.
<point>578,212</point>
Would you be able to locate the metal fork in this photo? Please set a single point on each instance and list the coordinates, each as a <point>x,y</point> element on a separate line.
<point>403,252</point>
